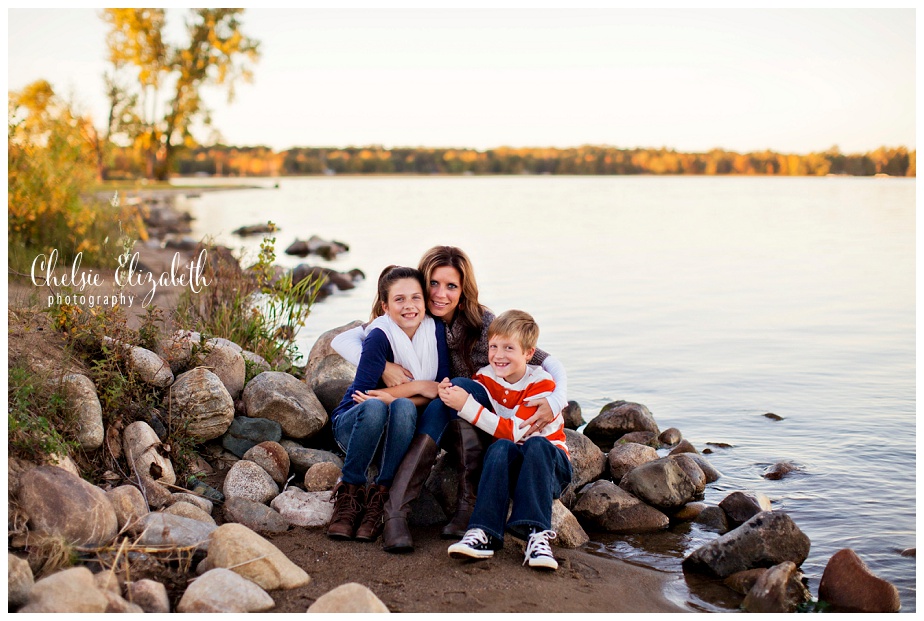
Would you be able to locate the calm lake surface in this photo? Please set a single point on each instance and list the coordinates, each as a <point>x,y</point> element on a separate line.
<point>711,300</point>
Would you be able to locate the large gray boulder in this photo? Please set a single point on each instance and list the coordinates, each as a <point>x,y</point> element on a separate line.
<point>236,547</point>
<point>742,506</point>
<point>696,474</point>
<point>254,515</point>
<point>222,590</point>
<point>302,458</point>
<point>223,358</point>
<point>151,368</point>
<point>306,509</point>
<point>662,483</point>
<point>165,529</point>
<point>283,398</point>
<point>569,533</point>
<point>332,368</point>
<point>59,503</point>
<point>201,400</point>
<point>767,539</point>
<point>624,457</point>
<point>246,432</point>
<point>322,348</point>
<point>72,590</point>
<point>129,504</point>
<point>587,460</point>
<point>272,457</point>
<point>247,479</point>
<point>617,419</point>
<point>606,507</point>
<point>81,398</point>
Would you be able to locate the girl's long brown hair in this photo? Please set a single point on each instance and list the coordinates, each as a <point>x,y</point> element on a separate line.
<point>389,276</point>
<point>469,312</point>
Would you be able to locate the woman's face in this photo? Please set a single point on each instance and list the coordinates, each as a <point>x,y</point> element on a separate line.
<point>445,291</point>
<point>405,305</point>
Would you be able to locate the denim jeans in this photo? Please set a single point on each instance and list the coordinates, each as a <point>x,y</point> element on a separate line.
<point>533,474</point>
<point>437,415</point>
<point>360,430</point>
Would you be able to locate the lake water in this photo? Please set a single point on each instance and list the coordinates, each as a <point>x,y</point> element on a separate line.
<point>711,300</point>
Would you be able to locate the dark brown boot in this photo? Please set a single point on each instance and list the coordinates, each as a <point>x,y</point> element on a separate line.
<point>348,505</point>
<point>469,445</point>
<point>374,518</point>
<point>409,480</point>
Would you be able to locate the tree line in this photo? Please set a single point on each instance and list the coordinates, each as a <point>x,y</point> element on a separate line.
<point>223,160</point>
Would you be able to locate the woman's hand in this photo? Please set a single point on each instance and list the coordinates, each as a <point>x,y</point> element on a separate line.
<point>395,375</point>
<point>540,418</point>
<point>381,395</point>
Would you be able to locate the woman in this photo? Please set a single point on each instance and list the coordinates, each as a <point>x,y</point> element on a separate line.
<point>372,414</point>
<point>453,298</point>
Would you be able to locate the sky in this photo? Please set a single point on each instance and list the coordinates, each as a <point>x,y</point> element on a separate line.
<point>789,80</point>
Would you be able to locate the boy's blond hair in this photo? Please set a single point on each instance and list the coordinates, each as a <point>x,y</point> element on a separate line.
<point>518,325</point>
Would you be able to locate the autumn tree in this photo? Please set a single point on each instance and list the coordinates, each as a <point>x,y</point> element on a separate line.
<point>170,77</point>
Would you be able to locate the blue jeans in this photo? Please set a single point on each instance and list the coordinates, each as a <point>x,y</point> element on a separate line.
<point>361,429</point>
<point>533,474</point>
<point>437,415</point>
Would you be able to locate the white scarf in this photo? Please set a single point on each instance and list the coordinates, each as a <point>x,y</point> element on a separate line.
<point>417,355</point>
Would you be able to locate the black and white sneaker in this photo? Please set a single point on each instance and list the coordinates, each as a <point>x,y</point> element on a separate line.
<point>538,551</point>
<point>475,544</point>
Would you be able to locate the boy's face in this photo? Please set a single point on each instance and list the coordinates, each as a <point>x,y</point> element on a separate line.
<point>507,358</point>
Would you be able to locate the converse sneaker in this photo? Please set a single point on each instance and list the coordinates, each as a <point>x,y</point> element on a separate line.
<point>475,544</point>
<point>538,552</point>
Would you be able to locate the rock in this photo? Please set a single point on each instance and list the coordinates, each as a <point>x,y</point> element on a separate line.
<point>349,597</point>
<point>912,552</point>
<point>569,533</point>
<point>154,493</point>
<point>223,358</point>
<point>150,596</point>
<point>322,348</point>
<point>203,402</point>
<point>116,603</point>
<point>647,438</point>
<point>59,503</point>
<point>282,398</point>
<point>72,590</point>
<point>708,469</point>
<point>81,398</point>
<point>662,483</point>
<point>670,436</point>
<point>331,368</point>
<point>322,477</point>
<point>743,581</point>
<point>722,445</point>
<point>689,465</point>
<point>151,368</point>
<point>330,393</point>
<point>165,529</point>
<point>238,548</point>
<point>608,508</point>
<point>684,446</point>
<point>773,416</point>
<point>767,539</point>
<point>222,590</point>
<point>108,581</point>
<point>143,451</point>
<point>304,508</point>
<point>255,361</point>
<point>587,461</point>
<point>848,585</point>
<point>129,504</point>
<point>617,419</point>
<point>19,581</point>
<point>742,506</point>
<point>688,512</point>
<point>177,349</point>
<point>301,458</point>
<point>197,501</point>
<point>64,462</point>
<point>624,457</point>
<point>245,433</point>
<point>714,519</point>
<point>572,415</point>
<point>255,229</point>
<point>255,516</point>
<point>779,470</point>
<point>316,245</point>
<point>779,589</point>
<point>248,480</point>
<point>184,509</point>
<point>272,457</point>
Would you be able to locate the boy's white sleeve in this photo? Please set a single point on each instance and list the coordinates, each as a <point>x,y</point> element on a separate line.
<point>558,400</point>
<point>488,421</point>
<point>349,344</point>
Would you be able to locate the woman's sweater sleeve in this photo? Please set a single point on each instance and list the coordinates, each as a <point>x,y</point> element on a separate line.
<point>349,344</point>
<point>558,400</point>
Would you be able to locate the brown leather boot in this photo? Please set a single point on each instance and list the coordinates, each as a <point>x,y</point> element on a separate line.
<point>409,480</point>
<point>469,445</point>
<point>374,518</point>
<point>348,505</point>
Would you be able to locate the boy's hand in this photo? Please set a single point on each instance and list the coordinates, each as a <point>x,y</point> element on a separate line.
<point>540,418</point>
<point>452,396</point>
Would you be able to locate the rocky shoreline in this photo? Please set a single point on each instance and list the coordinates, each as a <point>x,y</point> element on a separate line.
<point>243,529</point>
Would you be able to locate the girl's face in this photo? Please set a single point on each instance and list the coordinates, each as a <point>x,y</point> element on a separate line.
<point>445,291</point>
<point>405,305</point>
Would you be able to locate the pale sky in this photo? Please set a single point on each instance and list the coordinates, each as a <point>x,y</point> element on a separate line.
<point>790,80</point>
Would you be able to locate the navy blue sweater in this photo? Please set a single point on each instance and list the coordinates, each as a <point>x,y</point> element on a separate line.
<point>376,352</point>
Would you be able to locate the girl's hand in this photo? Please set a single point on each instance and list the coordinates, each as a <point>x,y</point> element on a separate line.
<point>359,396</point>
<point>540,418</point>
<point>395,375</point>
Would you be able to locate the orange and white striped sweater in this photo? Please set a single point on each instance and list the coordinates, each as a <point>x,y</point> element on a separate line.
<point>510,409</point>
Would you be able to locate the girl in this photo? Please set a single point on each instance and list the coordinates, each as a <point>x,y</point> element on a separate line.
<point>371,414</point>
<point>453,298</point>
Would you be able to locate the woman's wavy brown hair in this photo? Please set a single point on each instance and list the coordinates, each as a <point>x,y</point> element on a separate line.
<point>469,312</point>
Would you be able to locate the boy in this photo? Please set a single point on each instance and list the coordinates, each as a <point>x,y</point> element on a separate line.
<point>532,471</point>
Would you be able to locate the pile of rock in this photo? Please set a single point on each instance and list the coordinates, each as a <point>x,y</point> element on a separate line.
<point>328,249</point>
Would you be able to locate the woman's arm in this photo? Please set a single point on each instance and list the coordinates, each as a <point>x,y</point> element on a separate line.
<point>349,344</point>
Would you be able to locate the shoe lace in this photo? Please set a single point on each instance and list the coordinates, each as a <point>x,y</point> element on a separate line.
<point>538,544</point>
<point>474,536</point>
<point>346,505</point>
<point>375,505</point>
